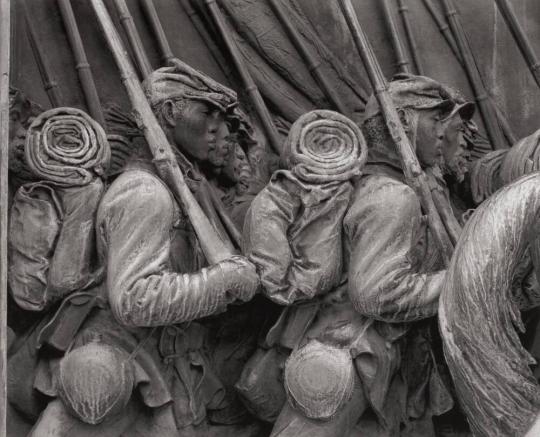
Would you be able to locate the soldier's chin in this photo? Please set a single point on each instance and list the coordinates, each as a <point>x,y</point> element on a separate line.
<point>458,171</point>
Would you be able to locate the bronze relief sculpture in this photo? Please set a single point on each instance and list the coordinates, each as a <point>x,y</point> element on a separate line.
<point>171,275</point>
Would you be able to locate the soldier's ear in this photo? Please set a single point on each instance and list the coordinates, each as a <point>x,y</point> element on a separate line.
<point>404,119</point>
<point>168,113</point>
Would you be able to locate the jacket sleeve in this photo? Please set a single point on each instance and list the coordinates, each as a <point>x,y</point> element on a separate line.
<point>382,226</point>
<point>266,241</point>
<point>137,219</point>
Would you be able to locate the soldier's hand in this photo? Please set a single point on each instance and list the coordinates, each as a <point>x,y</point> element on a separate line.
<point>242,281</point>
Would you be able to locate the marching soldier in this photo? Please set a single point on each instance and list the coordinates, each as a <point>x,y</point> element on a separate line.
<point>395,277</point>
<point>140,363</point>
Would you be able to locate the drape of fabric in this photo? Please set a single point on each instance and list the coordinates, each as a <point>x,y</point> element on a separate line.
<point>67,147</point>
<point>261,29</point>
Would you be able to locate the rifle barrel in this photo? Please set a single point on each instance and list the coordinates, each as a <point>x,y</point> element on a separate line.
<point>83,67</point>
<point>151,14</point>
<point>208,199</point>
<point>5,33</point>
<point>314,65</point>
<point>49,83</point>
<point>444,29</point>
<point>143,63</point>
<point>213,247</point>
<point>409,33</point>
<point>449,37</point>
<point>247,80</point>
<point>414,175</point>
<point>486,107</point>
<point>198,23</point>
<point>520,37</point>
<point>404,66</point>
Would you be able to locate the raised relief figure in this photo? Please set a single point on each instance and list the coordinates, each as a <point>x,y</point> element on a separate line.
<point>138,365</point>
<point>396,273</point>
<point>368,342</point>
<point>293,233</point>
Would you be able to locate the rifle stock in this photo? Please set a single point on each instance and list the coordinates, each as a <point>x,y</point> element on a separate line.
<point>214,248</point>
<point>414,175</point>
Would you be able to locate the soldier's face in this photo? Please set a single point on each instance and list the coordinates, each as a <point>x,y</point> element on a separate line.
<point>429,137</point>
<point>455,148</point>
<point>201,131</point>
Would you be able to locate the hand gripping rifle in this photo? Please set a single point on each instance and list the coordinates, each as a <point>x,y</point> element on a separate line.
<point>414,175</point>
<point>214,248</point>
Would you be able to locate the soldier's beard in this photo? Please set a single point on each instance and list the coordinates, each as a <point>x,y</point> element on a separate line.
<point>457,168</point>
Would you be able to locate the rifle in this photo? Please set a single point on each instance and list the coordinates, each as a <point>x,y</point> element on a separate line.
<point>210,203</point>
<point>414,175</point>
<point>145,68</point>
<point>444,29</point>
<point>521,39</point>
<point>487,111</point>
<point>214,248</point>
<point>409,33</point>
<point>447,34</point>
<point>5,40</point>
<point>314,65</point>
<point>198,23</point>
<point>152,16</point>
<point>402,61</point>
<point>49,83</point>
<point>83,67</point>
<point>249,84</point>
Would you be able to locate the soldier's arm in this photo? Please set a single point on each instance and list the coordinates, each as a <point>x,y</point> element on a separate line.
<point>266,242</point>
<point>143,290</point>
<point>382,225</point>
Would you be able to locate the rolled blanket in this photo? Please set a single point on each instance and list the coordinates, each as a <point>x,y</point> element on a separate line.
<point>522,158</point>
<point>324,146</point>
<point>67,147</point>
<point>485,175</point>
